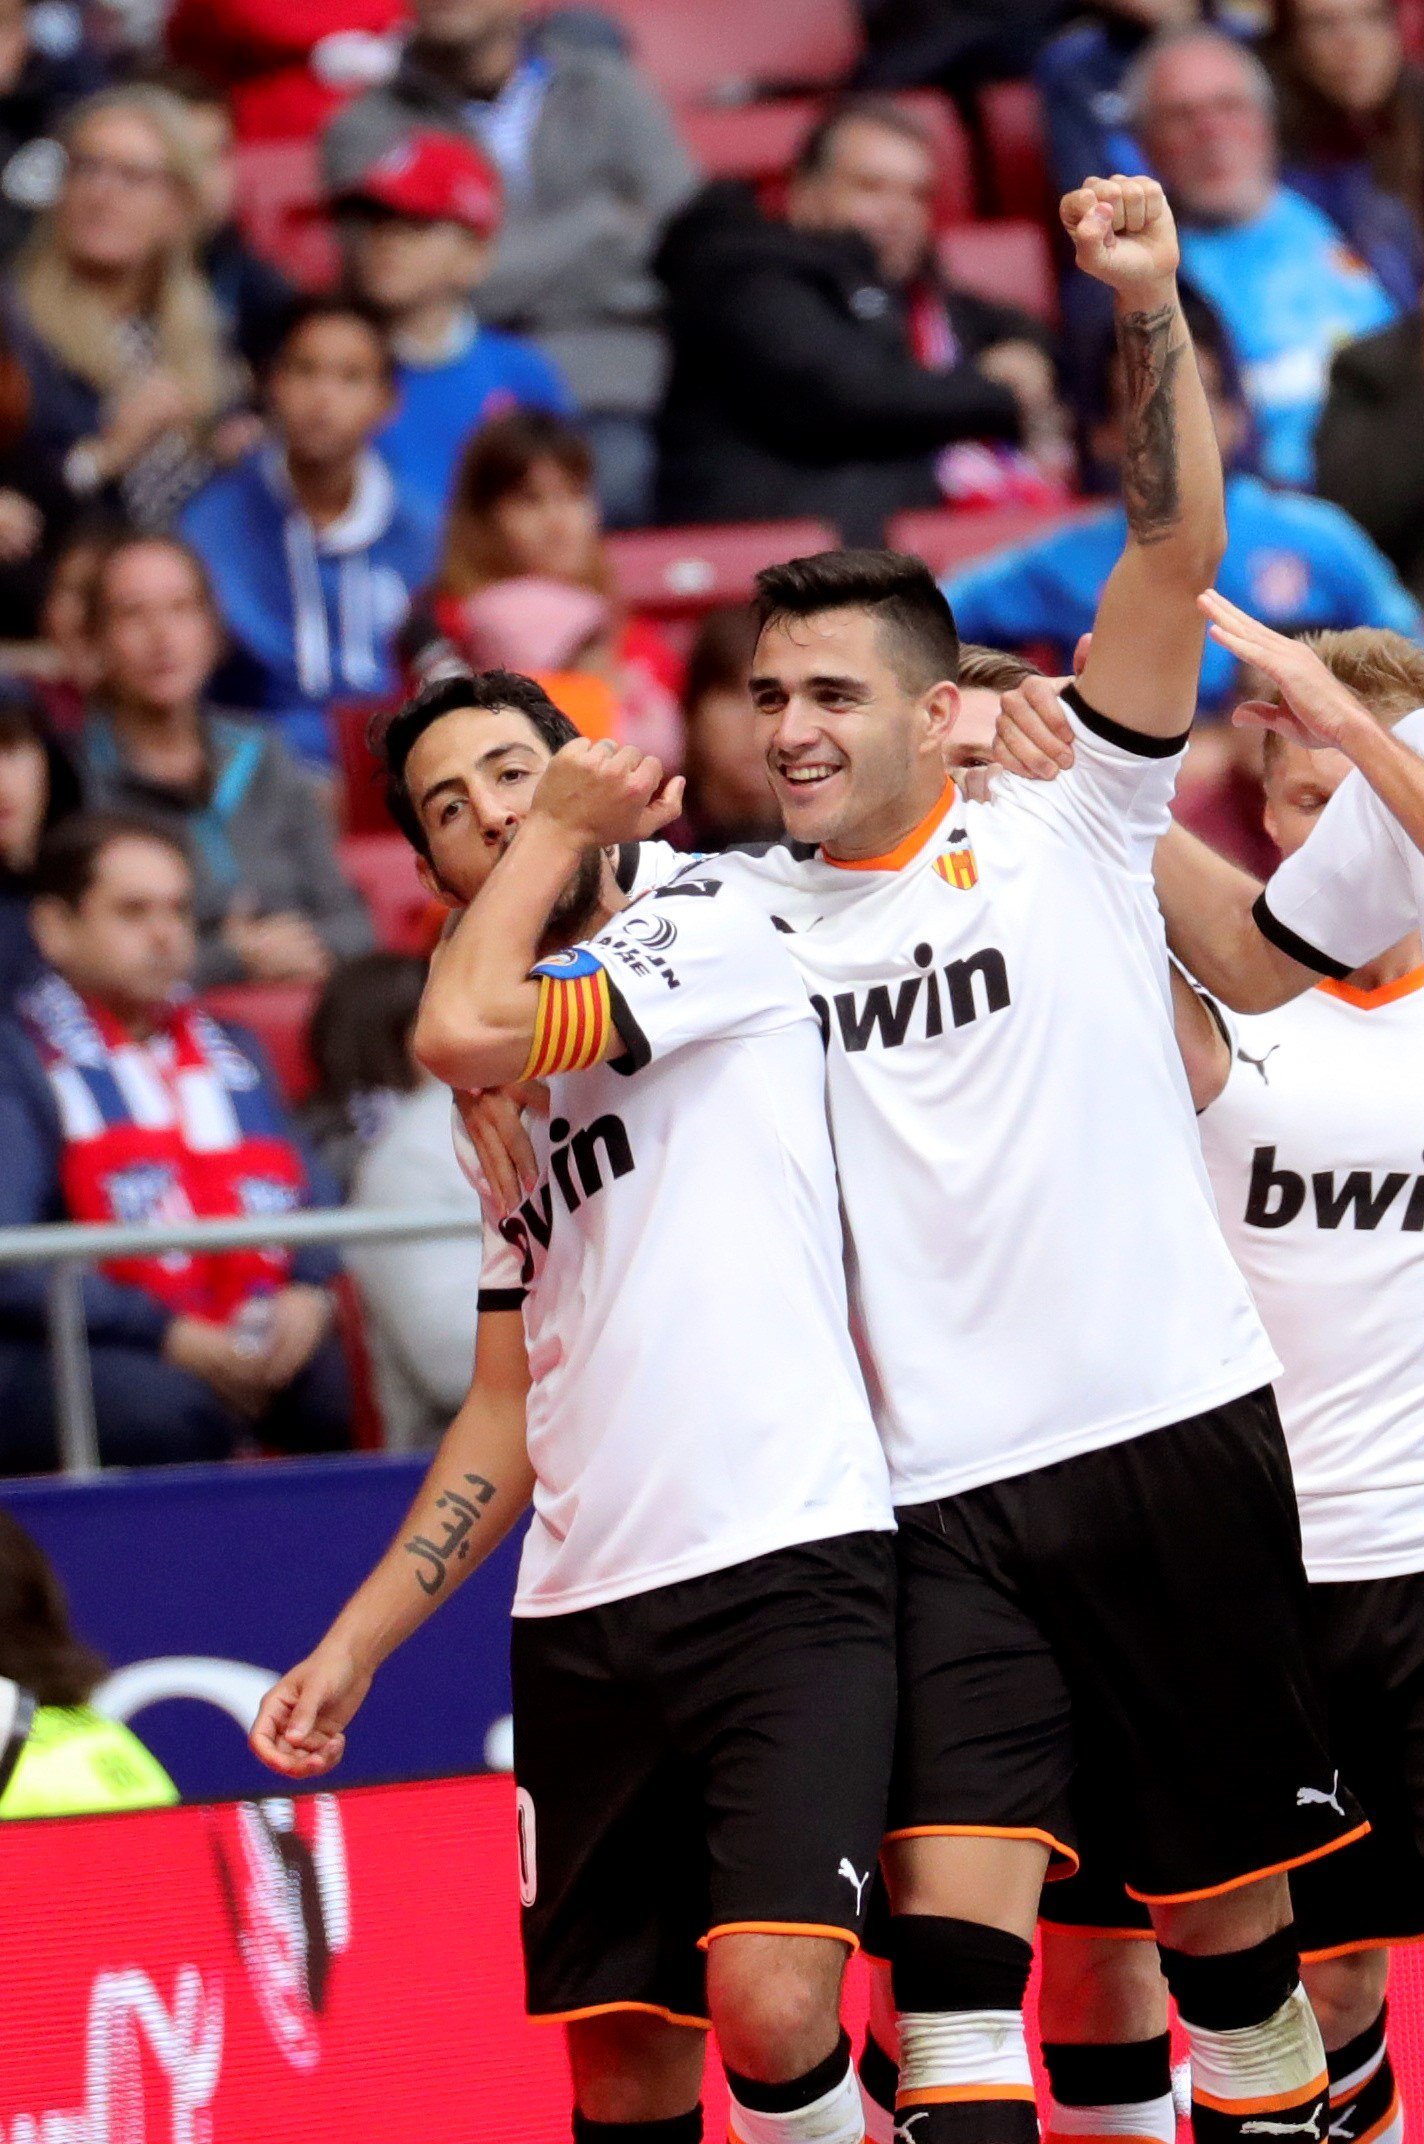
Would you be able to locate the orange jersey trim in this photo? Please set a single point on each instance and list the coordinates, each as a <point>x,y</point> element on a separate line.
<point>1277,1868</point>
<point>949,2095</point>
<point>904,852</point>
<point>1272,2103</point>
<point>571,1025</point>
<point>992,1831</point>
<point>571,2017</point>
<point>779,1928</point>
<point>1403,986</point>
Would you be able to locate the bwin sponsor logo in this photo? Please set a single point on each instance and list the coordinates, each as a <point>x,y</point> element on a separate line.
<point>919,1008</point>
<point>1355,1199</point>
<point>604,1144</point>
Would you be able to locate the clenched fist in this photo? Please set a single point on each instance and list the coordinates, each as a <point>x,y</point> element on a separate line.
<point>602,794</point>
<point>1123,235</point>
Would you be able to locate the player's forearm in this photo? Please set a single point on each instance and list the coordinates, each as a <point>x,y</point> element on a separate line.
<point>1395,774</point>
<point>477,1017</point>
<point>1172,485</point>
<point>478,1484</point>
<point>1207,905</point>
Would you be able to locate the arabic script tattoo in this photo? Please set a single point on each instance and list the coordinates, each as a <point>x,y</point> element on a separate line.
<point>435,1557</point>
<point>1152,346</point>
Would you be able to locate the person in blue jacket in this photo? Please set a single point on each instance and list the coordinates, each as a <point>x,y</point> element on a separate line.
<point>418,230</point>
<point>312,548</point>
<point>1291,560</point>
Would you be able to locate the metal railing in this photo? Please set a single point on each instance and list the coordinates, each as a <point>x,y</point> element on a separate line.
<point>68,1248</point>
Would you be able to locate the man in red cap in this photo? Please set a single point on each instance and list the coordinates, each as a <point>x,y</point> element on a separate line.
<point>418,228</point>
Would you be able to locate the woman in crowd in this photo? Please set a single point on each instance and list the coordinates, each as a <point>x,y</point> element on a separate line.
<point>1352,128</point>
<point>524,508</point>
<point>38,788</point>
<point>110,318</point>
<point>729,798</point>
<point>384,1126</point>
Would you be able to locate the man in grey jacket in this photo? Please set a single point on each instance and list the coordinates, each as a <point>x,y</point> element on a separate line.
<point>592,169</point>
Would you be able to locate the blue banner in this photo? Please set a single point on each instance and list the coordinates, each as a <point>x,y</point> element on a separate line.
<point>205,1571</point>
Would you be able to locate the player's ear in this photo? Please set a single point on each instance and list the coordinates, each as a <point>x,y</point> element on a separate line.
<point>941,705</point>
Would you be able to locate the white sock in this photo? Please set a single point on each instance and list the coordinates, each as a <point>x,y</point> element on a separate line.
<point>835,2117</point>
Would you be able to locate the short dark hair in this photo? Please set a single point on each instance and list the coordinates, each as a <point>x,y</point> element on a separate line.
<point>38,1645</point>
<point>315,306</point>
<point>70,854</point>
<point>870,109</point>
<point>393,739</point>
<point>896,588</point>
<point>359,1035</point>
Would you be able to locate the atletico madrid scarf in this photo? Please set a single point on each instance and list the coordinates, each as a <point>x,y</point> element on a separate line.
<point>164,1131</point>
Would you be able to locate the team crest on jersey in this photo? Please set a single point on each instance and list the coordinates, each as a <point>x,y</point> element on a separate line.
<point>957,866</point>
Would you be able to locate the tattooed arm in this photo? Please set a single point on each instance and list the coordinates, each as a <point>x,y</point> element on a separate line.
<point>1145,657</point>
<point>478,1484</point>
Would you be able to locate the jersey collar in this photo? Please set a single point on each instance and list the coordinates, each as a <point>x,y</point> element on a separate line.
<point>904,852</point>
<point>1403,986</point>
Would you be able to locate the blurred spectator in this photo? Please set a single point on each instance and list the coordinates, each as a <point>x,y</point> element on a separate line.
<point>110,318</point>
<point>270,904</point>
<point>953,44</point>
<point>121,1101</point>
<point>729,799</point>
<point>46,66</point>
<point>253,296</point>
<point>38,788</point>
<point>418,230</point>
<point>1078,75</point>
<point>592,168</point>
<point>34,504</point>
<point>1272,264</point>
<point>65,675</point>
<point>75,1762</point>
<point>1370,446</point>
<point>310,548</point>
<point>1351,112</point>
<point>818,364</point>
<point>524,505</point>
<point>1290,560</point>
<point>391,1125</point>
<point>285,65</point>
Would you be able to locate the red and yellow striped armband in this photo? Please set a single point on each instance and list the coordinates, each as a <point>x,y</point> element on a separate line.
<point>574,1020</point>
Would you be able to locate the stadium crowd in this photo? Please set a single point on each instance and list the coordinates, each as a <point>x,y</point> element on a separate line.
<point>339,340</point>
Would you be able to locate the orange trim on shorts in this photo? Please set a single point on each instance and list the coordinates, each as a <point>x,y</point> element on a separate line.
<point>905,851</point>
<point>779,1928</point>
<point>1102,1935</point>
<point>1350,1950</point>
<point>993,1831</point>
<point>1403,986</point>
<point>571,2017</point>
<point>1236,1883</point>
<point>1383,2123</point>
<point>948,2095</point>
<point>1271,2104</point>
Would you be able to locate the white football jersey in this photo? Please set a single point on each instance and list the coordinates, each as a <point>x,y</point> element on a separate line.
<point>1036,1263</point>
<point>696,1398</point>
<point>1315,1148</point>
<point>1356,887</point>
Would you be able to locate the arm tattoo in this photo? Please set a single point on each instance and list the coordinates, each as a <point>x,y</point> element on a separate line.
<point>1151,355</point>
<point>454,1540</point>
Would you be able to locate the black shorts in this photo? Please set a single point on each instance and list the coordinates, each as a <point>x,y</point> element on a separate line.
<point>1137,1614</point>
<point>707,1757</point>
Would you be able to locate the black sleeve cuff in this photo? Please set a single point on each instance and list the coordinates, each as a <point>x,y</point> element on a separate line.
<point>501,1299</point>
<point>1295,948</point>
<point>636,1053</point>
<point>1114,733</point>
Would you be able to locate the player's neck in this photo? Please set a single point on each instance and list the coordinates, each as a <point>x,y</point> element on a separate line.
<point>883,833</point>
<point>1400,960</point>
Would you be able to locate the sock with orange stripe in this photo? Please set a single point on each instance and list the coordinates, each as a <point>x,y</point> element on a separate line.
<point>1258,2061</point>
<point>879,2083</point>
<point>1365,2107</point>
<point>964,2068</point>
<point>823,2107</point>
<point>1122,2090</point>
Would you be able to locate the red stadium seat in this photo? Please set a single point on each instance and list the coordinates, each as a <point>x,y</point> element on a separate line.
<point>947,538</point>
<point>280,205</point>
<point>362,807</point>
<point>697,54</point>
<point>382,867</point>
<point>1009,262</point>
<point>278,1015</point>
<point>1012,119</point>
<point>680,573</point>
